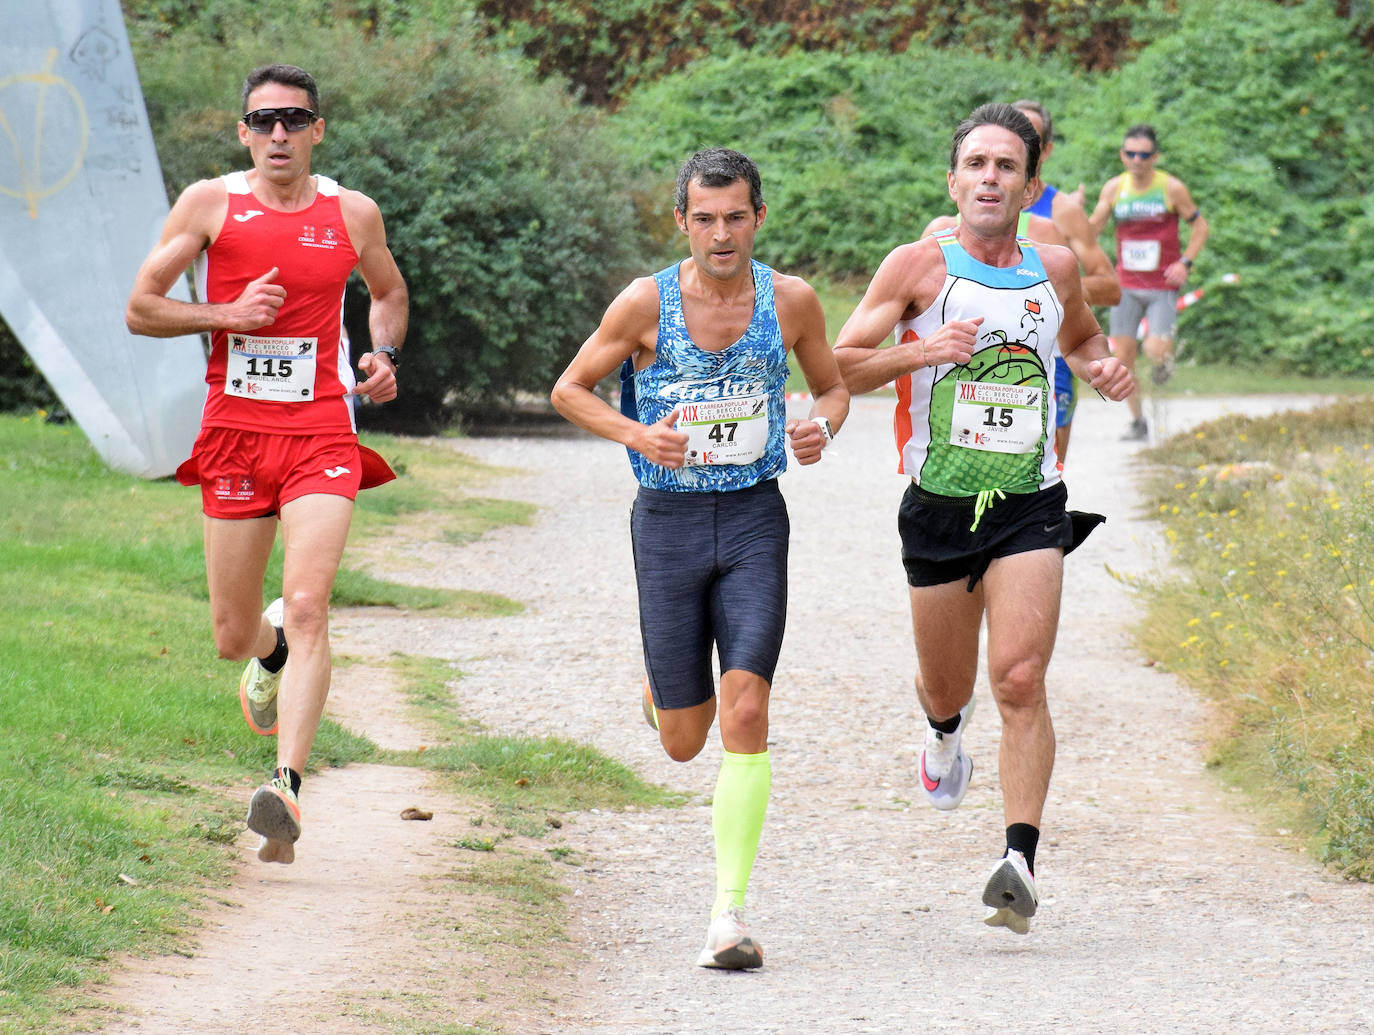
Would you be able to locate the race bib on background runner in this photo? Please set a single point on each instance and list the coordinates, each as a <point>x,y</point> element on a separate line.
<point>1140,256</point>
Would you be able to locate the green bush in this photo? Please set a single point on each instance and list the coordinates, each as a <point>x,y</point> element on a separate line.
<point>504,205</point>
<point>1271,134</point>
<point>22,387</point>
<point>853,149</point>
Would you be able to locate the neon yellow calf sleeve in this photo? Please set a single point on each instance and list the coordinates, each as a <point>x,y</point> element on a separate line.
<point>741,799</point>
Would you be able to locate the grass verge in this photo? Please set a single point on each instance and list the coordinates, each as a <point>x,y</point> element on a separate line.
<point>1271,611</point>
<point>122,731</point>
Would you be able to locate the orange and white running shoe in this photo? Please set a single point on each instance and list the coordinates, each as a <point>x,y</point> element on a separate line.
<point>275,813</point>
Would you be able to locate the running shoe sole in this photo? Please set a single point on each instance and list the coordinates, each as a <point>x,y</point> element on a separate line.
<point>1011,900</point>
<point>729,945</point>
<point>744,956</point>
<point>273,815</point>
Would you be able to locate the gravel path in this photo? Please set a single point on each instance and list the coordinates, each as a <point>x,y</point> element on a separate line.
<point>1165,907</point>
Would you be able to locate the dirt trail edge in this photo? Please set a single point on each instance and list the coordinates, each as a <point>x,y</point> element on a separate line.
<point>1165,907</point>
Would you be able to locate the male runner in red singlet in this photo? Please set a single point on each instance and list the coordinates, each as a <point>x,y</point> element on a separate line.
<point>1147,205</point>
<point>273,248</point>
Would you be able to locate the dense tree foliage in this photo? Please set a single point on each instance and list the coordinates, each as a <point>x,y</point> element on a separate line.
<point>611,47</point>
<point>516,212</point>
<point>1264,111</point>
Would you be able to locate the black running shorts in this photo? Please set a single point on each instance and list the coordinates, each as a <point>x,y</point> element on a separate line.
<point>938,546</point>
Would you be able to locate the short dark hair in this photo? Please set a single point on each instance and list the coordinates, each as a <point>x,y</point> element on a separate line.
<point>718,167</point>
<point>286,75</point>
<point>1142,129</point>
<point>1007,117</point>
<point>1036,108</point>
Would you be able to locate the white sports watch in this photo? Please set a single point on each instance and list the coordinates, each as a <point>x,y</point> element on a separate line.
<point>824,424</point>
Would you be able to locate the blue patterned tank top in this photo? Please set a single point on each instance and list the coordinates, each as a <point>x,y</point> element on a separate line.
<point>731,403</point>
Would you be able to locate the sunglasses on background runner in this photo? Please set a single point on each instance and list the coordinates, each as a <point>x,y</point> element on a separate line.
<point>293,119</point>
<point>1142,155</point>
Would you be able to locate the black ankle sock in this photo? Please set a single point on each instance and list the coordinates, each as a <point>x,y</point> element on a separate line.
<point>945,726</point>
<point>295,778</point>
<point>274,661</point>
<point>1023,838</point>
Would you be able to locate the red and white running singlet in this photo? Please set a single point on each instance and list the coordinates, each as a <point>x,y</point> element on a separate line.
<point>292,376</point>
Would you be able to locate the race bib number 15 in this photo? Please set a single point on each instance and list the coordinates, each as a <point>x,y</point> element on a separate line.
<point>997,418</point>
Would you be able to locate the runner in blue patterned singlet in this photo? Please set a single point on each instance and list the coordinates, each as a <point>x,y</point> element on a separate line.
<point>976,312</point>
<point>702,349</point>
<point>731,403</point>
<point>1070,222</point>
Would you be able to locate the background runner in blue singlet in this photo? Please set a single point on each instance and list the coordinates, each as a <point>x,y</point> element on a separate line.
<point>1064,210</point>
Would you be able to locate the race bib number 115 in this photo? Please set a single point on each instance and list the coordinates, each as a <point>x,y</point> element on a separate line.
<point>271,369</point>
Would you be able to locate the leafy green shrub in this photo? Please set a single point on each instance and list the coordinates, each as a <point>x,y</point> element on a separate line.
<point>853,149</point>
<point>1271,135</point>
<point>504,204</point>
<point>22,387</point>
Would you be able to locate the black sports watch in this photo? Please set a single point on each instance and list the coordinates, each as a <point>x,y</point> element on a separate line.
<point>390,352</point>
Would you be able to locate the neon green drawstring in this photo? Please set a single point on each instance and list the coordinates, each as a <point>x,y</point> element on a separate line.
<point>986,498</point>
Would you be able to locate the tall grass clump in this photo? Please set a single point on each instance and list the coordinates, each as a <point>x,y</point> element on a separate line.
<point>1270,609</point>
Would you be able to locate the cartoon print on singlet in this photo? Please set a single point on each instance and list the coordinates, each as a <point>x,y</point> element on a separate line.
<point>985,422</point>
<point>991,410</point>
<point>730,403</point>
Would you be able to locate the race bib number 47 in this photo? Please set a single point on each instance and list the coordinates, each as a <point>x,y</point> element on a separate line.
<point>997,418</point>
<point>271,369</point>
<point>725,431</point>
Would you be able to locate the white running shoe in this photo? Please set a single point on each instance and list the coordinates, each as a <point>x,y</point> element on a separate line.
<point>945,768</point>
<point>729,945</point>
<point>1010,894</point>
<point>258,687</point>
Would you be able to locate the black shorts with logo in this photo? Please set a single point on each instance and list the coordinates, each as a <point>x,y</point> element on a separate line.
<point>939,547</point>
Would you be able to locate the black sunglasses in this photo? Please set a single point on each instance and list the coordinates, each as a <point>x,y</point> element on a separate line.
<point>293,119</point>
<point>1142,155</point>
